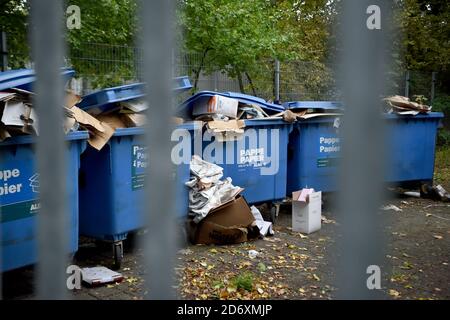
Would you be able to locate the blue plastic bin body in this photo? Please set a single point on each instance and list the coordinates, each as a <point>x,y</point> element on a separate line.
<point>111,185</point>
<point>260,167</point>
<point>314,149</point>
<point>313,155</point>
<point>412,145</point>
<point>19,198</point>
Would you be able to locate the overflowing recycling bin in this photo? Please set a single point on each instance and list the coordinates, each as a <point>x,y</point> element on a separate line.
<point>315,145</point>
<point>251,150</point>
<point>19,198</point>
<point>112,178</point>
<point>19,178</point>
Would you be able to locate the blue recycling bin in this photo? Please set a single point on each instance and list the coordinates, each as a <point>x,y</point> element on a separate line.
<point>19,198</point>
<point>112,179</point>
<point>314,151</point>
<point>112,184</point>
<point>411,142</point>
<point>255,160</point>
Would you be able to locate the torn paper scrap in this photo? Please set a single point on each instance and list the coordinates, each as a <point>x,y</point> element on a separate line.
<point>265,227</point>
<point>202,168</point>
<point>302,195</point>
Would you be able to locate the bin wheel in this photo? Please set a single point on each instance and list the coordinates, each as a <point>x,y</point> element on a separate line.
<point>274,211</point>
<point>118,254</point>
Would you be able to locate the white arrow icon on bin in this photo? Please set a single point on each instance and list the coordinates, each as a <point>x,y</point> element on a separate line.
<point>34,183</point>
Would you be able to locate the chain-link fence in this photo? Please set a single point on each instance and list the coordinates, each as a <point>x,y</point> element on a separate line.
<point>104,65</point>
<point>101,65</point>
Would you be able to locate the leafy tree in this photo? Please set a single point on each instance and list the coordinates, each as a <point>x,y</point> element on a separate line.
<point>426,29</point>
<point>13,21</point>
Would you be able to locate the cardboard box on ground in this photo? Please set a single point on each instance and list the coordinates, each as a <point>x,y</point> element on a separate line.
<point>233,222</point>
<point>306,211</point>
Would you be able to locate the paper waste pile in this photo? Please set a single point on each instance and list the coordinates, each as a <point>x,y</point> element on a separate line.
<point>207,191</point>
<point>18,117</point>
<point>403,106</point>
<point>218,213</point>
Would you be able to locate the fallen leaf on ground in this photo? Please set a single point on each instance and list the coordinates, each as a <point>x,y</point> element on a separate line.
<point>132,280</point>
<point>394,293</point>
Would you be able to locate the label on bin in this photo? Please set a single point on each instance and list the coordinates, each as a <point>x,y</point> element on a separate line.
<point>139,162</point>
<point>18,188</point>
<point>21,210</point>
<point>254,157</point>
<point>329,146</point>
<point>327,162</point>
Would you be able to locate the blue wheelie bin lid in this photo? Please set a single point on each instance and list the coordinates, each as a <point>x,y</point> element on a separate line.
<point>107,99</point>
<point>326,105</point>
<point>24,78</point>
<point>185,108</point>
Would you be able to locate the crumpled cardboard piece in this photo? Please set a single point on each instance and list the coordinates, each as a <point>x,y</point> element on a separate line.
<point>233,222</point>
<point>134,119</point>
<point>402,104</point>
<point>4,134</point>
<point>71,99</point>
<point>114,120</point>
<point>226,130</point>
<point>99,132</point>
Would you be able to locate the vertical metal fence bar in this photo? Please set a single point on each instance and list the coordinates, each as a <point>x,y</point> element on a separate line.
<point>1,257</point>
<point>48,52</point>
<point>277,80</point>
<point>433,86</point>
<point>3,51</point>
<point>362,77</point>
<point>407,78</point>
<point>159,242</point>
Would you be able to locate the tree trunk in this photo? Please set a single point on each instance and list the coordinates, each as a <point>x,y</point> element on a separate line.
<point>199,70</point>
<point>241,83</point>
<point>251,83</point>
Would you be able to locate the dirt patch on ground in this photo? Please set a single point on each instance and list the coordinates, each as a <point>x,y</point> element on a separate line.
<point>289,265</point>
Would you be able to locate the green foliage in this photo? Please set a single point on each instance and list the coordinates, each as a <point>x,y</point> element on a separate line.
<point>443,138</point>
<point>241,38</point>
<point>110,22</point>
<point>244,281</point>
<point>13,20</point>
<point>442,103</point>
<point>425,25</point>
<point>104,21</point>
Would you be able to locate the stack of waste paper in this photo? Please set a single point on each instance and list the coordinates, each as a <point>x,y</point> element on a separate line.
<point>304,110</point>
<point>207,190</point>
<point>403,106</point>
<point>218,213</point>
